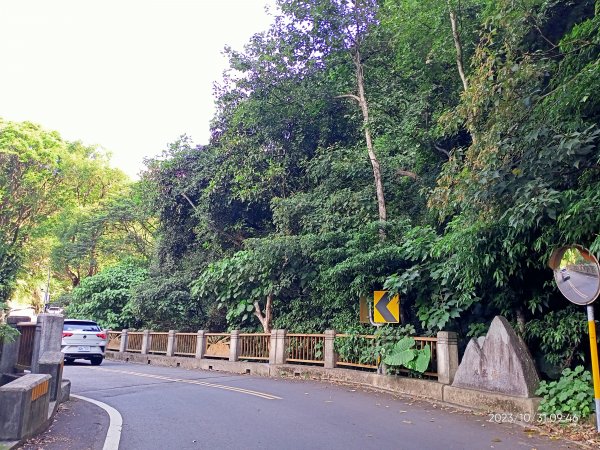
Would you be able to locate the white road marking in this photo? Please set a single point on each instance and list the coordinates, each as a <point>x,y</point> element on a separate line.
<point>199,383</point>
<point>113,435</point>
<point>577,291</point>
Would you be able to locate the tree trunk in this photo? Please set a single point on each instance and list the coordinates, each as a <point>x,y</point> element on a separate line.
<point>364,107</point>
<point>458,45</point>
<point>520,321</point>
<point>265,320</point>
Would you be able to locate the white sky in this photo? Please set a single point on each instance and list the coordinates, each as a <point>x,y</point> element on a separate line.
<point>129,75</point>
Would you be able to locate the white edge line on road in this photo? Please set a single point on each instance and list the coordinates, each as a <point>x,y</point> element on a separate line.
<point>113,435</point>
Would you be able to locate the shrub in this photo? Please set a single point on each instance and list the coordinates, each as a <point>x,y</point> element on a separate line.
<point>572,394</point>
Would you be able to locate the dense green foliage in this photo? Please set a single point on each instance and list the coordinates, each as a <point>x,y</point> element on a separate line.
<point>107,296</point>
<point>568,397</point>
<point>65,214</point>
<point>481,119</point>
<point>275,223</point>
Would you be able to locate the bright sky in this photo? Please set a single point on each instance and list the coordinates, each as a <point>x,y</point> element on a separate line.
<point>129,75</point>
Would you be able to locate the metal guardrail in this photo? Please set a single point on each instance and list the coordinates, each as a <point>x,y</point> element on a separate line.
<point>134,341</point>
<point>27,331</point>
<point>158,343</point>
<point>114,340</point>
<point>355,360</point>
<point>217,345</point>
<point>299,348</point>
<point>305,348</point>
<point>185,344</point>
<point>420,343</point>
<point>370,340</point>
<point>255,346</point>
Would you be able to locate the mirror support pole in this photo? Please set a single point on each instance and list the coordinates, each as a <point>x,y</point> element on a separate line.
<point>594,354</point>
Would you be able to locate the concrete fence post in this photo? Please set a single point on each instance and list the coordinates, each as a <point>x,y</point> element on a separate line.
<point>123,344</point>
<point>447,356</point>
<point>273,348</point>
<point>329,351</point>
<point>171,343</point>
<point>234,345</point>
<point>48,337</point>
<point>281,350</point>
<point>201,344</point>
<point>145,342</point>
<point>9,354</point>
<point>51,363</point>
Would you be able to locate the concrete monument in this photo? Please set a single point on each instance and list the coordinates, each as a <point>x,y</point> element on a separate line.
<point>499,362</point>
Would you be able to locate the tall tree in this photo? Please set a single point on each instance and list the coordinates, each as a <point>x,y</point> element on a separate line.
<point>32,163</point>
<point>331,27</point>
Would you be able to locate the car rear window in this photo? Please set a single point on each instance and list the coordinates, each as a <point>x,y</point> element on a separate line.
<point>90,326</point>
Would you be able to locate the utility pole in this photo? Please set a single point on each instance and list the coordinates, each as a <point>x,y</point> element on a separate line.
<point>47,293</point>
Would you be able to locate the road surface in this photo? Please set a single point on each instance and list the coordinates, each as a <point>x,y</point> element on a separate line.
<point>171,408</point>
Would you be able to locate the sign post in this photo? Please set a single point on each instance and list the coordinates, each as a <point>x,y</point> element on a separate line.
<point>595,369</point>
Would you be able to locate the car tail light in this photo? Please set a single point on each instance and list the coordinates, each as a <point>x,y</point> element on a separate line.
<point>101,335</point>
<point>65,334</point>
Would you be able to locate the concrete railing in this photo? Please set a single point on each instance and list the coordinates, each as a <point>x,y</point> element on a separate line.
<point>24,406</point>
<point>28,401</point>
<point>279,347</point>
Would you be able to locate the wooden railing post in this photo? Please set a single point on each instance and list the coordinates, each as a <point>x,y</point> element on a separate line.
<point>171,343</point>
<point>145,342</point>
<point>123,346</point>
<point>234,345</point>
<point>201,344</point>
<point>447,356</point>
<point>329,352</point>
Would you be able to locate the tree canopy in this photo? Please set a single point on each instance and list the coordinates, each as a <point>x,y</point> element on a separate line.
<point>441,150</point>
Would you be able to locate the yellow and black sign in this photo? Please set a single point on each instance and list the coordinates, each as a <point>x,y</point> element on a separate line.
<point>386,309</point>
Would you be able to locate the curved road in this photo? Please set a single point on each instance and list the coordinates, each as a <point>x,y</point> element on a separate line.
<point>172,408</point>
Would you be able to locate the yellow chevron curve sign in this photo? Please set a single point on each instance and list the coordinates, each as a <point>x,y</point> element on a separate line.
<point>386,309</point>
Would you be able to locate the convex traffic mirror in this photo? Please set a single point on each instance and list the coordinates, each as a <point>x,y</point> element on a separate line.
<point>577,274</point>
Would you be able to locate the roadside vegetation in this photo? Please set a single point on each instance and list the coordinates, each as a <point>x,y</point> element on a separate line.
<point>437,149</point>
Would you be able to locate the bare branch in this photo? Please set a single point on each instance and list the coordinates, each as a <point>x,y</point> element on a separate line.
<point>352,96</point>
<point>407,173</point>
<point>443,150</point>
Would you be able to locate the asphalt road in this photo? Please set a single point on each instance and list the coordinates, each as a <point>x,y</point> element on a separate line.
<point>579,288</point>
<point>172,408</point>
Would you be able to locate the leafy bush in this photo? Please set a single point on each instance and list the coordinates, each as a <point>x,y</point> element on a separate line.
<point>572,394</point>
<point>7,333</point>
<point>106,297</point>
<point>559,335</point>
<point>404,354</point>
<point>356,348</point>
<point>393,345</point>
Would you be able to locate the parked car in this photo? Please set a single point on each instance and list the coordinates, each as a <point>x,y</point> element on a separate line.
<point>83,339</point>
<point>564,274</point>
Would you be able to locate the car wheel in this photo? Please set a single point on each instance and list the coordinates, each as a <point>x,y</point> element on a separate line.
<point>97,361</point>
